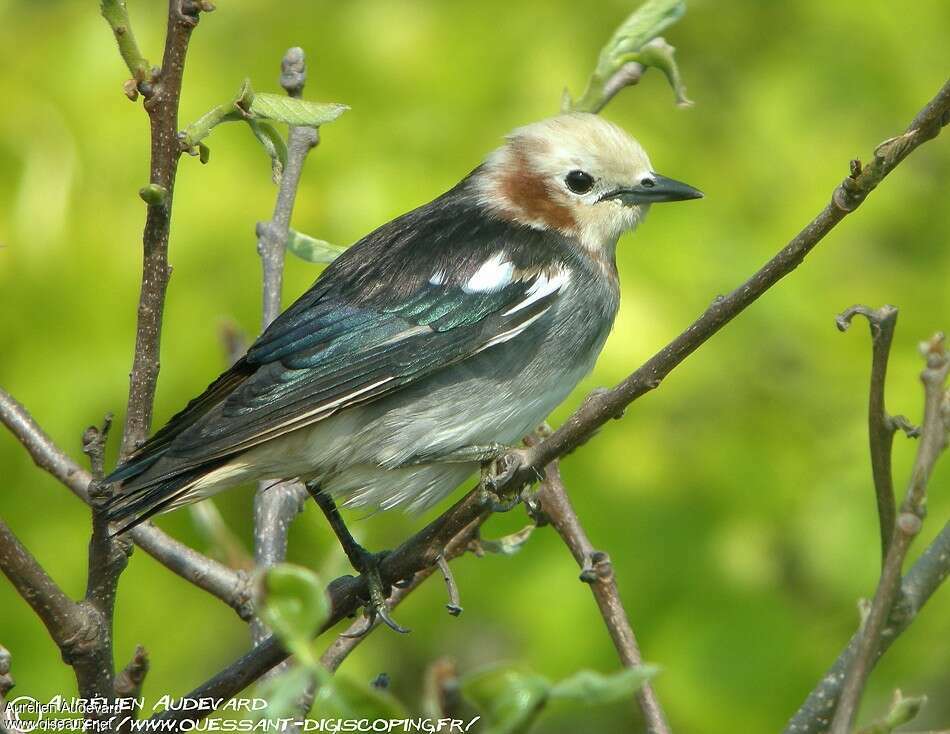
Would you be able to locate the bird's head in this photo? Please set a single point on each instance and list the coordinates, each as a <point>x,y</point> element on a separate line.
<point>577,174</point>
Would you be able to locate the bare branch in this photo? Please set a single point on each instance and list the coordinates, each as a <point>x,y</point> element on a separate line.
<point>278,503</point>
<point>597,572</point>
<point>60,614</point>
<point>881,427</point>
<point>45,454</point>
<point>117,16</point>
<point>161,103</point>
<point>229,586</point>
<point>933,440</point>
<point>108,557</point>
<point>919,584</point>
<point>76,628</point>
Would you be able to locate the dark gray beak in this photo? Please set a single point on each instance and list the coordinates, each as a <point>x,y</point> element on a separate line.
<point>652,189</point>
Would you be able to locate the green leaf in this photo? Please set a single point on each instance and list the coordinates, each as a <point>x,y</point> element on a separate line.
<point>312,250</point>
<point>635,40</point>
<point>902,711</point>
<point>284,692</point>
<point>508,545</point>
<point>592,688</point>
<point>659,54</point>
<point>295,111</point>
<point>509,698</point>
<point>340,697</point>
<point>273,143</point>
<point>294,605</point>
<point>642,25</point>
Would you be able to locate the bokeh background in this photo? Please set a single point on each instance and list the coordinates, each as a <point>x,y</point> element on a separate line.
<point>735,501</point>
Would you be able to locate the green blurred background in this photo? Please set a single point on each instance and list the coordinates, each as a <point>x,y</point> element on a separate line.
<point>735,501</point>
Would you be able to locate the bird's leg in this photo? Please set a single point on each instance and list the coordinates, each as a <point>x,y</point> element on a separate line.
<point>364,562</point>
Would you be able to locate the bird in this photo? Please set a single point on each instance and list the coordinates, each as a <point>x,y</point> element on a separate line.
<point>427,348</point>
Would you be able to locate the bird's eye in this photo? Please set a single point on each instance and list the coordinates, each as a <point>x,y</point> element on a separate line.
<point>647,183</point>
<point>579,182</point>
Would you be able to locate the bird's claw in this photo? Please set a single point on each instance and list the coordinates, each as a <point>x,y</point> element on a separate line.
<point>507,471</point>
<point>375,607</point>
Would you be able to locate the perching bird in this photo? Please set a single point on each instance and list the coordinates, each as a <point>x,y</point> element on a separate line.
<point>443,335</point>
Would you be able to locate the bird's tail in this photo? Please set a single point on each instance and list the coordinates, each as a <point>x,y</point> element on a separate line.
<point>136,501</point>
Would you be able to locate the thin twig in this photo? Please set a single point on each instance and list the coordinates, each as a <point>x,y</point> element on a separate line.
<point>76,628</point>
<point>63,618</point>
<point>420,551</point>
<point>919,584</point>
<point>117,16</point>
<point>881,427</point>
<point>107,558</point>
<point>277,504</point>
<point>232,587</point>
<point>162,99</point>
<point>933,440</point>
<point>598,573</point>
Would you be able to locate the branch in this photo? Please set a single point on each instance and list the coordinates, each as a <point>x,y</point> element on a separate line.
<point>8,722</point>
<point>601,406</point>
<point>231,587</point>
<point>117,16</point>
<point>108,557</point>
<point>597,572</point>
<point>76,628</point>
<point>128,683</point>
<point>933,440</point>
<point>919,584</point>
<point>421,551</point>
<point>276,505</point>
<point>62,616</point>
<point>161,103</point>
<point>881,427</point>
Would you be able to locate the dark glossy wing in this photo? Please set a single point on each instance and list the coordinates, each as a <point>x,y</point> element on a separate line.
<point>336,355</point>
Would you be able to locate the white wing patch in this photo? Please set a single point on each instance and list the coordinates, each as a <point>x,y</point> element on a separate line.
<point>438,278</point>
<point>543,286</point>
<point>493,275</point>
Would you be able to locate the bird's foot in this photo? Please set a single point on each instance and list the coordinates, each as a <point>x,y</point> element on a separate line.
<point>505,478</point>
<point>367,565</point>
